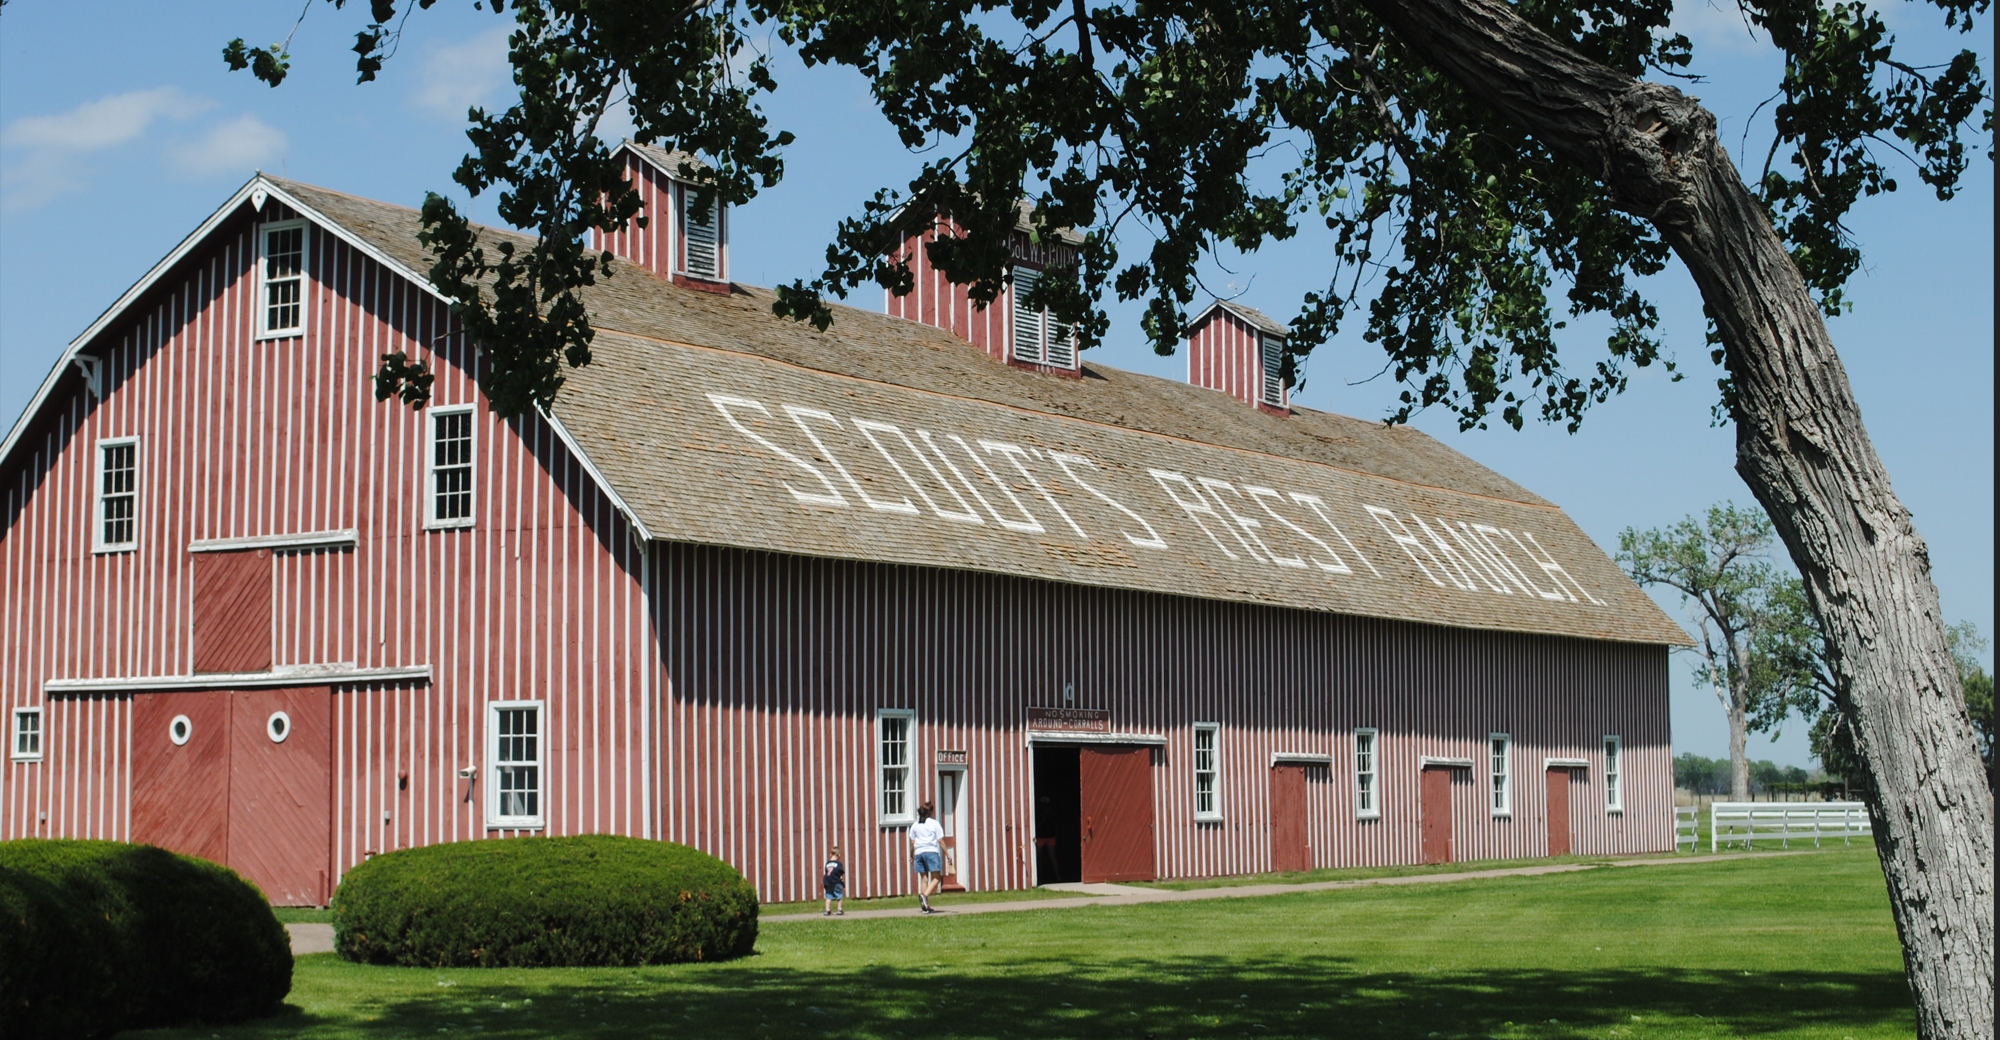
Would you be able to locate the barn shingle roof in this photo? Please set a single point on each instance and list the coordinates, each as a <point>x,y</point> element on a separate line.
<point>880,439</point>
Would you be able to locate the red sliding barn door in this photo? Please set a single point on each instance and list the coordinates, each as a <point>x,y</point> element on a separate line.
<point>1289,850</point>
<point>1434,815</point>
<point>232,611</point>
<point>1558,784</point>
<point>279,813</point>
<point>1117,793</point>
<point>180,772</point>
<point>250,787</point>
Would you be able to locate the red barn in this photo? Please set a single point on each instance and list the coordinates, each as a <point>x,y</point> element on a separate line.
<point>762,590</point>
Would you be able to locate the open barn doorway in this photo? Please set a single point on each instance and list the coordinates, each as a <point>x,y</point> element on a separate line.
<point>1058,814</point>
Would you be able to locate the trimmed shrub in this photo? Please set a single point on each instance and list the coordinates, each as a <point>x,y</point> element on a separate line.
<point>590,900</point>
<point>161,939</point>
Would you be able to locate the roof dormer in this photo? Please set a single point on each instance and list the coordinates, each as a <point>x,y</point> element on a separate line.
<point>1004,330</point>
<point>683,241</point>
<point>1240,351</point>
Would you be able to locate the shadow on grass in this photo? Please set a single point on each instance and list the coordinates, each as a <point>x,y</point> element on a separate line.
<point>1307,996</point>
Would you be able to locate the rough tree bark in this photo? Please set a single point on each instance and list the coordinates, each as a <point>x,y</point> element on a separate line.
<point>1802,449</point>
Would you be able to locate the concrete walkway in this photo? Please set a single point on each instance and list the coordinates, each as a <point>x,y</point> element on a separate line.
<point>1127,895</point>
<point>310,938</point>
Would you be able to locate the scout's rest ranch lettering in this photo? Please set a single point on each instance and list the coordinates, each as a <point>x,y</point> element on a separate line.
<point>959,481</point>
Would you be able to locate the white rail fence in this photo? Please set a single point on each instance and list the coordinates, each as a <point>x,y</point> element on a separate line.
<point>1746,823</point>
<point>1687,827</point>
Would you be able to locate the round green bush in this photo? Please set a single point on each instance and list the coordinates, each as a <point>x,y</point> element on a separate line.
<point>158,939</point>
<point>590,900</point>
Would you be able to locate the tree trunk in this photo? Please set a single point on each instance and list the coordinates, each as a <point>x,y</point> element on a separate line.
<point>1739,751</point>
<point>1801,448</point>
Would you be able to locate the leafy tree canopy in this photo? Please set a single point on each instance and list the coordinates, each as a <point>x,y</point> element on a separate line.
<point>1462,244</point>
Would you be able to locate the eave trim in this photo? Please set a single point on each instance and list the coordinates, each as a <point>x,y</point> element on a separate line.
<point>307,675</point>
<point>1143,739</point>
<point>343,538</point>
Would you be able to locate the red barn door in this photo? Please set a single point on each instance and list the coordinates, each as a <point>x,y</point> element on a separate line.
<point>232,611</point>
<point>1434,815</point>
<point>241,778</point>
<point>1558,783</point>
<point>1117,793</point>
<point>1289,851</point>
<point>279,816</point>
<point>180,772</point>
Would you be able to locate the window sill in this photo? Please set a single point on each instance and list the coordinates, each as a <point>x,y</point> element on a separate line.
<point>114,550</point>
<point>1368,816</point>
<point>1614,812</point>
<point>896,823</point>
<point>1508,815</point>
<point>1208,817</point>
<point>450,525</point>
<point>26,758</point>
<point>286,334</point>
<point>516,825</point>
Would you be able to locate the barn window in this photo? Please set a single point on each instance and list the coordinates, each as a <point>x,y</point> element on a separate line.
<point>1503,788</point>
<point>1207,771</point>
<point>1367,796</point>
<point>117,494</point>
<point>281,266</point>
<point>894,751</point>
<point>1614,774</point>
<point>1039,339</point>
<point>27,734</point>
<point>1273,363</point>
<point>514,760</point>
<point>704,235</point>
<point>451,467</point>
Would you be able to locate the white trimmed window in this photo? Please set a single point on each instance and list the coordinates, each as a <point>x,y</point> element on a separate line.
<point>1038,338</point>
<point>27,734</point>
<point>117,494</point>
<point>1614,774</point>
<point>449,473</point>
<point>1273,359</point>
<point>1367,790</point>
<point>895,749</point>
<point>1207,771</point>
<point>1497,746</point>
<point>514,741</point>
<point>281,277</point>
<point>703,234</point>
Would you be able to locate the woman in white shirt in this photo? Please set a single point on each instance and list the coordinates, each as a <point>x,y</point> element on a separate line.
<point>927,849</point>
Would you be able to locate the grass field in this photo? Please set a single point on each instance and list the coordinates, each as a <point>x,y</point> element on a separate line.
<point>1794,946</point>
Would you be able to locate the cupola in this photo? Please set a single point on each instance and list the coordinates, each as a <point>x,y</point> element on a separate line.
<point>683,241</point>
<point>1016,335</point>
<point>1240,351</point>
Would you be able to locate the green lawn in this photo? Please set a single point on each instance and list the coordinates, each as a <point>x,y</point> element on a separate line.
<point>1791,946</point>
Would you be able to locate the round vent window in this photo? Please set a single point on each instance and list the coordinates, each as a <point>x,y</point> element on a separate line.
<point>279,726</point>
<point>180,729</point>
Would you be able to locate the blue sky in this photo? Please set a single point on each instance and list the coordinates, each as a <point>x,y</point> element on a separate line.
<point>120,130</point>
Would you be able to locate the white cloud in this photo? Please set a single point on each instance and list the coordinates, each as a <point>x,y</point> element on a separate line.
<point>49,147</point>
<point>237,146</point>
<point>461,75</point>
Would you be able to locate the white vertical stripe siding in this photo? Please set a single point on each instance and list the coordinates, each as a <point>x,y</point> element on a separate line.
<point>774,667</point>
<point>243,437</point>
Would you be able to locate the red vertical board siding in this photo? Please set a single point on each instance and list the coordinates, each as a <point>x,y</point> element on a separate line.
<point>232,611</point>
<point>936,301</point>
<point>1225,353</point>
<point>773,669</point>
<point>539,600</point>
<point>765,671</point>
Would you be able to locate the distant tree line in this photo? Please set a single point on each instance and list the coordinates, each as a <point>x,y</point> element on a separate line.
<point>1700,775</point>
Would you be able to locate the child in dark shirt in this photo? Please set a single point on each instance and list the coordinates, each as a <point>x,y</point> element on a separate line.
<point>834,884</point>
